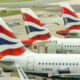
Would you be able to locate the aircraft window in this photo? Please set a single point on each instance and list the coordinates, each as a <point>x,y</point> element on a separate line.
<point>73,63</point>
<point>39,63</point>
<point>45,63</point>
<point>52,63</point>
<point>69,63</point>
<point>63,63</point>
<point>49,63</point>
<point>42,63</point>
<point>66,63</point>
<point>56,63</point>
<point>59,63</point>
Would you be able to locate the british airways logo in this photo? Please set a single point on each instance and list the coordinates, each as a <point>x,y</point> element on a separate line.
<point>69,20</point>
<point>6,42</point>
<point>32,29</point>
<point>35,29</point>
<point>9,44</point>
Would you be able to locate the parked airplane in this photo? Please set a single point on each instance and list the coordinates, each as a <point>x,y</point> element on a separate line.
<point>49,65</point>
<point>70,45</point>
<point>71,22</point>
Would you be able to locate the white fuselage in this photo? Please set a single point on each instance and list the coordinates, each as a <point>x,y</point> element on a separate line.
<point>67,45</point>
<point>73,34</point>
<point>46,63</point>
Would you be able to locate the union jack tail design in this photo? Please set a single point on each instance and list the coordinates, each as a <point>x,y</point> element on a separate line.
<point>9,44</point>
<point>70,18</point>
<point>35,29</point>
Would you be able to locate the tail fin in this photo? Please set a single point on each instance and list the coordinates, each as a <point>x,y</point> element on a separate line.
<point>70,18</point>
<point>67,9</point>
<point>35,29</point>
<point>9,44</point>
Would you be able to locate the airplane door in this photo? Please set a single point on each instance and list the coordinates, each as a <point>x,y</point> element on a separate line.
<point>59,48</point>
<point>41,49</point>
<point>30,63</point>
<point>62,50</point>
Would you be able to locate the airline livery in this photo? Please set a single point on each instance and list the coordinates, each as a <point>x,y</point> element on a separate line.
<point>35,29</point>
<point>71,22</point>
<point>7,40</point>
<point>65,45</point>
<point>12,52</point>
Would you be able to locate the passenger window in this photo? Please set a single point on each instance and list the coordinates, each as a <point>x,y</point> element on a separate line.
<point>63,63</point>
<point>42,63</point>
<point>69,63</point>
<point>59,63</point>
<point>49,63</point>
<point>56,63</point>
<point>52,63</point>
<point>39,63</point>
<point>66,63</point>
<point>73,63</point>
<point>45,63</point>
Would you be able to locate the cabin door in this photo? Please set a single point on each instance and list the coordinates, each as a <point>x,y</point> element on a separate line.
<point>30,63</point>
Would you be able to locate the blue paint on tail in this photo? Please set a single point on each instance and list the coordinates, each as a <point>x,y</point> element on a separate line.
<point>4,42</point>
<point>69,20</point>
<point>32,29</point>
